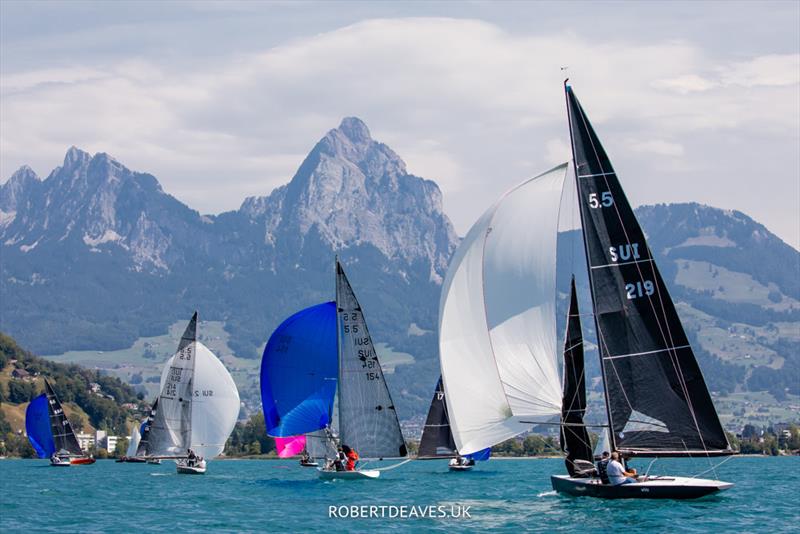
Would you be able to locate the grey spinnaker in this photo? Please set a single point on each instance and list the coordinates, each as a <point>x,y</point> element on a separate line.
<point>658,403</point>
<point>368,420</point>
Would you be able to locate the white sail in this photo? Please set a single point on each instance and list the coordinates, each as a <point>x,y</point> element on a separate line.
<point>170,432</point>
<point>214,403</point>
<point>603,444</point>
<point>497,318</point>
<point>133,440</point>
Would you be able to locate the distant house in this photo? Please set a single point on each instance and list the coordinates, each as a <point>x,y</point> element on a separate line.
<point>130,406</point>
<point>95,387</point>
<point>20,373</point>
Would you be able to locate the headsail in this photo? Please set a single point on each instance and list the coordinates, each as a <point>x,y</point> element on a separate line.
<point>170,432</point>
<point>133,440</point>
<point>37,426</point>
<point>497,318</point>
<point>437,439</point>
<point>657,399</point>
<point>575,439</point>
<point>299,372</point>
<point>320,444</point>
<point>367,417</point>
<point>63,437</point>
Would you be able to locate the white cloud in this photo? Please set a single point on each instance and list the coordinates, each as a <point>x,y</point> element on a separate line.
<point>218,129</point>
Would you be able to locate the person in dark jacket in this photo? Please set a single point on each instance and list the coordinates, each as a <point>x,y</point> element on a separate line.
<point>602,468</point>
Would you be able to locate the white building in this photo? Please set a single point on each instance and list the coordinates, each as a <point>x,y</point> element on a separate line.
<point>100,438</point>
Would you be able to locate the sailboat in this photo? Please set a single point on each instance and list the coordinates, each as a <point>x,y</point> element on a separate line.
<point>50,432</point>
<point>320,376</point>
<point>144,432</point>
<point>133,445</point>
<point>657,401</point>
<point>197,407</point>
<point>437,439</point>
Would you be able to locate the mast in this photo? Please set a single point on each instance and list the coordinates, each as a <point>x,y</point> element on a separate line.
<point>589,270</point>
<point>657,400</point>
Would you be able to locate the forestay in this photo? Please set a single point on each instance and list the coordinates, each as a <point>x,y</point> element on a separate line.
<point>658,401</point>
<point>367,418</point>
<point>497,326</point>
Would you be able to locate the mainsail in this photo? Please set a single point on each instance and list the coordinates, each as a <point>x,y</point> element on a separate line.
<point>497,318</point>
<point>37,427</point>
<point>367,417</point>
<point>299,372</point>
<point>320,444</point>
<point>142,449</point>
<point>437,439</point>
<point>575,439</point>
<point>658,402</point>
<point>170,432</point>
<point>63,437</point>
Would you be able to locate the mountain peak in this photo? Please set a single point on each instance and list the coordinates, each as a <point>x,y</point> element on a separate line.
<point>75,156</point>
<point>355,130</point>
<point>24,174</point>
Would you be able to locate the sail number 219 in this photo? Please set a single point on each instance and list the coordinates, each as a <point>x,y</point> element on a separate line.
<point>640,289</point>
<point>605,199</point>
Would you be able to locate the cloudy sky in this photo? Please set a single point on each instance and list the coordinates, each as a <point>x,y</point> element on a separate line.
<point>222,100</point>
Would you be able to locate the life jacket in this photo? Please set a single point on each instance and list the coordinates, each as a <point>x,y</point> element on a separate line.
<point>602,471</point>
<point>352,458</point>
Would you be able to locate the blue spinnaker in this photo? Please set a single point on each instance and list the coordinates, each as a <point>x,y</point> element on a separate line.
<point>299,371</point>
<point>480,456</point>
<point>37,425</point>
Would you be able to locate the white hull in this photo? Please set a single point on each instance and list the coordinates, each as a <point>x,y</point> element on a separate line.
<point>60,462</point>
<point>364,474</point>
<point>460,467</point>
<point>186,469</point>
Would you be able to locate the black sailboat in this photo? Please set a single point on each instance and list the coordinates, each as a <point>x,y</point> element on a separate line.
<point>67,449</point>
<point>657,401</point>
<point>437,438</point>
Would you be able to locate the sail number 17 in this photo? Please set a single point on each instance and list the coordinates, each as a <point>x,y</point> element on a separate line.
<point>605,199</point>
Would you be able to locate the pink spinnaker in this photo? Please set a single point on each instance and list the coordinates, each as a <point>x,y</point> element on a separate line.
<point>290,446</point>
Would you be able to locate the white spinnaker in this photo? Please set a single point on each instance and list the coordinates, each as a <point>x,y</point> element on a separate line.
<point>133,440</point>
<point>215,403</point>
<point>497,318</point>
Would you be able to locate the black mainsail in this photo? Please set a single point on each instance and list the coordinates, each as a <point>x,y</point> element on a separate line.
<point>63,437</point>
<point>437,438</point>
<point>658,403</point>
<point>142,449</point>
<point>575,439</point>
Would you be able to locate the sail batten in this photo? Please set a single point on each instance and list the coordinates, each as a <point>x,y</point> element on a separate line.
<point>647,362</point>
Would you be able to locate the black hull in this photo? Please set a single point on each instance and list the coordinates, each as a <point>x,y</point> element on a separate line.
<point>655,488</point>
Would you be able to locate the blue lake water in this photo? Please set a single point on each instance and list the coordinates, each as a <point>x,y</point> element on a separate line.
<point>259,496</point>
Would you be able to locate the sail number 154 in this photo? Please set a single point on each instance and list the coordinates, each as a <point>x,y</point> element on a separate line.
<point>605,199</point>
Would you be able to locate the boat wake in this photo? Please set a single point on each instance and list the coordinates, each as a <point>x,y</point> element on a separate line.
<point>550,493</point>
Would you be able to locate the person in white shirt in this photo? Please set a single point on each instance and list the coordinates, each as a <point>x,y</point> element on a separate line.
<point>616,472</point>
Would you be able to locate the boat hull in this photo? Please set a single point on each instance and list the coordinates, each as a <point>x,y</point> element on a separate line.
<point>60,462</point>
<point>309,464</point>
<point>365,474</point>
<point>82,461</point>
<point>186,469</point>
<point>652,488</point>
<point>460,467</point>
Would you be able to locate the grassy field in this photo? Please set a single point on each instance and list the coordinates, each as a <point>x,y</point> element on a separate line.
<point>146,358</point>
